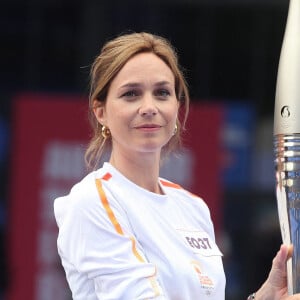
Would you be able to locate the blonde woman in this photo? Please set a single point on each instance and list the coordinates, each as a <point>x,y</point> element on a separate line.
<point>124,232</point>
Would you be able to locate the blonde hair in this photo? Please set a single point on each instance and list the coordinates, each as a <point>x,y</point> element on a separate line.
<point>113,56</point>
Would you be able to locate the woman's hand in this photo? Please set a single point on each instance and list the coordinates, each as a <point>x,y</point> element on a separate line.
<point>275,287</point>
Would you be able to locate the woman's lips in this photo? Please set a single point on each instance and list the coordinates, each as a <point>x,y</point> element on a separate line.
<point>148,127</point>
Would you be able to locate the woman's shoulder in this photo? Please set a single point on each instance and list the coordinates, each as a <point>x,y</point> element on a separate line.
<point>175,188</point>
<point>82,197</point>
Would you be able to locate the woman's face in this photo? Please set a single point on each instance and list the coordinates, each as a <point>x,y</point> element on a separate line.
<point>141,106</point>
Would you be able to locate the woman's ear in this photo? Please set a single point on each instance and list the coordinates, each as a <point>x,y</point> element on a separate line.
<point>99,112</point>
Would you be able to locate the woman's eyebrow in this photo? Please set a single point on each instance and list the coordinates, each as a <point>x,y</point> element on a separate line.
<point>130,84</point>
<point>137,84</point>
<point>164,82</point>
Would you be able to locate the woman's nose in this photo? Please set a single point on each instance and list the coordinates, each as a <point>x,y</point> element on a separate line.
<point>148,106</point>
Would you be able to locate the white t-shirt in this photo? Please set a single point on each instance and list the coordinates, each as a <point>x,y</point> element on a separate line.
<point>119,241</point>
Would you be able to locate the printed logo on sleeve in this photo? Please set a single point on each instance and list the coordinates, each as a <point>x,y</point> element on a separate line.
<point>200,242</point>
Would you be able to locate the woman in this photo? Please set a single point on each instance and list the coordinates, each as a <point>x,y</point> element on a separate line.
<point>125,233</point>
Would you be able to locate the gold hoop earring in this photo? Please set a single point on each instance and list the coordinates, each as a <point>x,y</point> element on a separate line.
<point>175,129</point>
<point>105,132</point>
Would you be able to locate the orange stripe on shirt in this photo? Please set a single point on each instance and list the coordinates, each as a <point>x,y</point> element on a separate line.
<point>119,229</point>
<point>113,218</point>
<point>170,184</point>
<point>107,176</point>
<point>107,207</point>
<point>134,250</point>
<point>176,186</point>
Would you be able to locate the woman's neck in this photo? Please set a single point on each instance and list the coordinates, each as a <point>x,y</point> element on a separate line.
<point>142,169</point>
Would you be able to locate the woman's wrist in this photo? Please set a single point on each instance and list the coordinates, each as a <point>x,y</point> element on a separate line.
<point>263,293</point>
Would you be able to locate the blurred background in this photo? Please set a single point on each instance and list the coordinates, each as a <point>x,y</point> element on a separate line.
<point>230,51</point>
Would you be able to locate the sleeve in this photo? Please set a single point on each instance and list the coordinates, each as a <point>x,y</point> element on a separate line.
<point>95,240</point>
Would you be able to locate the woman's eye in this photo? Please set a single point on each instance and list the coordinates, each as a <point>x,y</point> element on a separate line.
<point>163,93</point>
<point>130,94</point>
